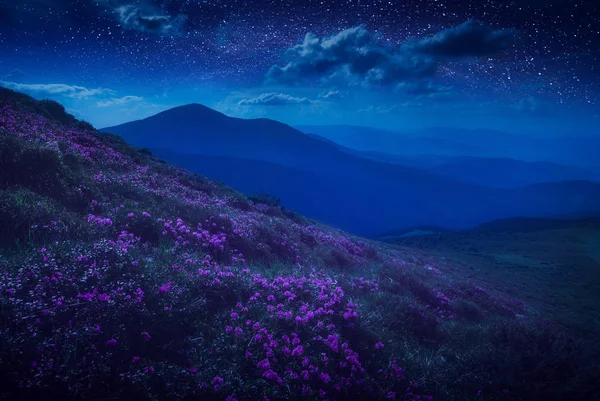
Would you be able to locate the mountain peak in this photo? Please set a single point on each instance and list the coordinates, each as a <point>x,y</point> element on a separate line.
<point>191,110</point>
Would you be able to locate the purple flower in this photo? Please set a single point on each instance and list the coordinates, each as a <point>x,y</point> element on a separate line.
<point>165,287</point>
<point>324,377</point>
<point>379,345</point>
<point>297,351</point>
<point>264,364</point>
<point>217,382</point>
<point>43,250</point>
<point>136,359</point>
<point>271,375</point>
<point>112,341</point>
<point>146,335</point>
<point>391,395</point>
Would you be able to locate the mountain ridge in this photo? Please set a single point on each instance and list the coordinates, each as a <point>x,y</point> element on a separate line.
<point>385,195</point>
<point>581,150</point>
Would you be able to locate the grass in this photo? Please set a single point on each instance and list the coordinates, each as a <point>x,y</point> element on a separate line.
<point>552,265</point>
<point>122,277</point>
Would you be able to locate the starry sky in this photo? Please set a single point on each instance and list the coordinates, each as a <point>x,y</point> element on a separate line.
<point>524,66</point>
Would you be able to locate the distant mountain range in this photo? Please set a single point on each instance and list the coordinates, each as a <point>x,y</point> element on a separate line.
<point>495,172</point>
<point>509,173</point>
<point>321,180</point>
<point>576,150</point>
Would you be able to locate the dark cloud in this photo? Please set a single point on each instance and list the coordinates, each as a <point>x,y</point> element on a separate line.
<point>144,16</point>
<point>355,56</point>
<point>274,99</point>
<point>469,39</point>
<point>149,20</point>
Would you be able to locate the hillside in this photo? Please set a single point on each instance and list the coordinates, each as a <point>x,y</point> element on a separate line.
<point>122,277</point>
<point>319,179</point>
<point>551,263</point>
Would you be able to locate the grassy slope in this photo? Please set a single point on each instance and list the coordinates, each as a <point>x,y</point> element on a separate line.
<point>553,265</point>
<point>121,276</point>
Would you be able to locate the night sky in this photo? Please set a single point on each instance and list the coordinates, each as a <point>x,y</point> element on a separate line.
<point>524,66</point>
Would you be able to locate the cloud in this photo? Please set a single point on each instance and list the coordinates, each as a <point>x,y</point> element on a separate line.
<point>119,101</point>
<point>71,91</point>
<point>394,108</point>
<point>274,99</point>
<point>332,94</point>
<point>15,75</point>
<point>144,16</point>
<point>469,39</point>
<point>532,106</point>
<point>356,57</point>
<point>353,54</point>
<point>378,109</point>
<point>425,88</point>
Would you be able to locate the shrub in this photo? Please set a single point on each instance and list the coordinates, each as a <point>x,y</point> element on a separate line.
<point>468,310</point>
<point>145,152</point>
<point>265,199</point>
<point>335,258</point>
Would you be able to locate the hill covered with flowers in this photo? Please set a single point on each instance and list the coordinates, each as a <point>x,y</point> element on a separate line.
<point>124,277</point>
